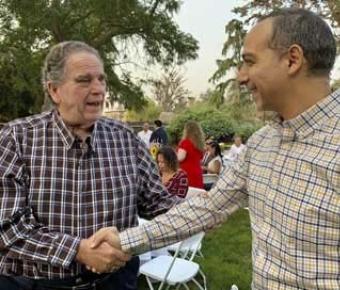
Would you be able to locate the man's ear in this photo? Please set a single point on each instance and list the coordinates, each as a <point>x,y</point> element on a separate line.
<point>295,58</point>
<point>53,92</point>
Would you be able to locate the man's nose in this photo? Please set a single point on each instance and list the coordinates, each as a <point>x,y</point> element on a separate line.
<point>242,76</point>
<point>99,86</point>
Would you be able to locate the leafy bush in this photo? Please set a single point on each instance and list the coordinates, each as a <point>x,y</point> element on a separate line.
<point>221,123</point>
<point>246,129</point>
<point>148,113</point>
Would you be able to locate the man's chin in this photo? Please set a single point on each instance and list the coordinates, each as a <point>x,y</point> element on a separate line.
<point>93,117</point>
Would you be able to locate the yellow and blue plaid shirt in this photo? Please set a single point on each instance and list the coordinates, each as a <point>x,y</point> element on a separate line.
<point>290,177</point>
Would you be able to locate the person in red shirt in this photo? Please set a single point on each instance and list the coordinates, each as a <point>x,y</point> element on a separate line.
<point>190,153</point>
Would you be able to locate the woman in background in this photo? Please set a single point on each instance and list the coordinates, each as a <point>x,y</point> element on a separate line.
<point>206,156</point>
<point>190,152</point>
<point>175,179</point>
<point>215,164</point>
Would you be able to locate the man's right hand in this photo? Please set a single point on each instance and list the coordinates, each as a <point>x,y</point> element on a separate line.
<point>102,258</point>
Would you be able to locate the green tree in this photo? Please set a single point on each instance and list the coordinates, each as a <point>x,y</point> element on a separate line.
<point>232,59</point>
<point>169,91</point>
<point>336,84</point>
<point>117,28</point>
<point>225,121</point>
<point>246,16</point>
<point>148,113</point>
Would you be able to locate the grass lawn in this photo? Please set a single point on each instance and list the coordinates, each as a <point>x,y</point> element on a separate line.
<point>227,255</point>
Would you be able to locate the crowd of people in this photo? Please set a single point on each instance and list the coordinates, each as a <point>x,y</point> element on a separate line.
<point>194,155</point>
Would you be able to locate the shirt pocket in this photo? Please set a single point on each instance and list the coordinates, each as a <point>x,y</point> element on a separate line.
<point>120,199</point>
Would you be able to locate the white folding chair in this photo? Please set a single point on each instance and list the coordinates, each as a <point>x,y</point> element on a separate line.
<point>192,248</point>
<point>173,271</point>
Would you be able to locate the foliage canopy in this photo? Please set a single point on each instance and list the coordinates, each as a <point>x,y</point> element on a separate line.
<point>149,112</point>
<point>119,29</point>
<point>169,90</point>
<point>221,123</point>
<point>246,15</point>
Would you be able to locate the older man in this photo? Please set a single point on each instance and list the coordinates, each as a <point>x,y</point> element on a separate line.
<point>145,134</point>
<point>290,171</point>
<point>67,173</point>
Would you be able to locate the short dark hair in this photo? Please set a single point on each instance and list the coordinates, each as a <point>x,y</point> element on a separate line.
<point>308,30</point>
<point>158,123</point>
<point>169,156</point>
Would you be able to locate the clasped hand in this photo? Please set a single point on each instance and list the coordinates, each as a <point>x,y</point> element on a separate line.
<point>102,252</point>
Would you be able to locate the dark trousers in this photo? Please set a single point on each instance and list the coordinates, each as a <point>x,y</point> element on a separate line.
<point>123,279</point>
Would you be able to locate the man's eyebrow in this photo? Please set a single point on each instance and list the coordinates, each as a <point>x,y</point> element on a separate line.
<point>88,75</point>
<point>83,75</point>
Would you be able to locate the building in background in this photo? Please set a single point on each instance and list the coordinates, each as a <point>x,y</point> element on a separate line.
<point>113,109</point>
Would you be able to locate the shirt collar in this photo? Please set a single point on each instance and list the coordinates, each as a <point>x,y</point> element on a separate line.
<point>311,119</point>
<point>66,135</point>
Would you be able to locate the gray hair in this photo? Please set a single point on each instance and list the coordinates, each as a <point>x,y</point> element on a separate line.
<point>54,64</point>
<point>308,30</point>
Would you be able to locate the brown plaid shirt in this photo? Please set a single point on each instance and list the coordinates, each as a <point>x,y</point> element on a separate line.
<point>290,176</point>
<point>53,192</point>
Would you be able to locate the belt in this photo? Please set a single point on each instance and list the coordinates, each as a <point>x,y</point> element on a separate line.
<point>85,279</point>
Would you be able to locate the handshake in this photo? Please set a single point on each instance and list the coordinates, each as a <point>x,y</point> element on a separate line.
<point>102,252</point>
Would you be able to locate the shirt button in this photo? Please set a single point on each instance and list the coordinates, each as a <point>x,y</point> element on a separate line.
<point>79,280</point>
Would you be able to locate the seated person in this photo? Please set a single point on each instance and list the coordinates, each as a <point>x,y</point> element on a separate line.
<point>215,164</point>
<point>206,157</point>
<point>174,178</point>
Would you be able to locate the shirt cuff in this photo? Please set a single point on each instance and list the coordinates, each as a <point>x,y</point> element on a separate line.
<point>65,253</point>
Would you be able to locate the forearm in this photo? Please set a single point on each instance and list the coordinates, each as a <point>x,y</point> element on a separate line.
<point>192,216</point>
<point>30,241</point>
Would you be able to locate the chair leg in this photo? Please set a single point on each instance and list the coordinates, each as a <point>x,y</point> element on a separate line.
<point>200,254</point>
<point>204,279</point>
<point>161,286</point>
<point>198,284</point>
<point>186,286</point>
<point>149,283</point>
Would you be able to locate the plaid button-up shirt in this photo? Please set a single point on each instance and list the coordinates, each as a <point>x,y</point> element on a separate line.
<point>53,192</point>
<point>290,176</point>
